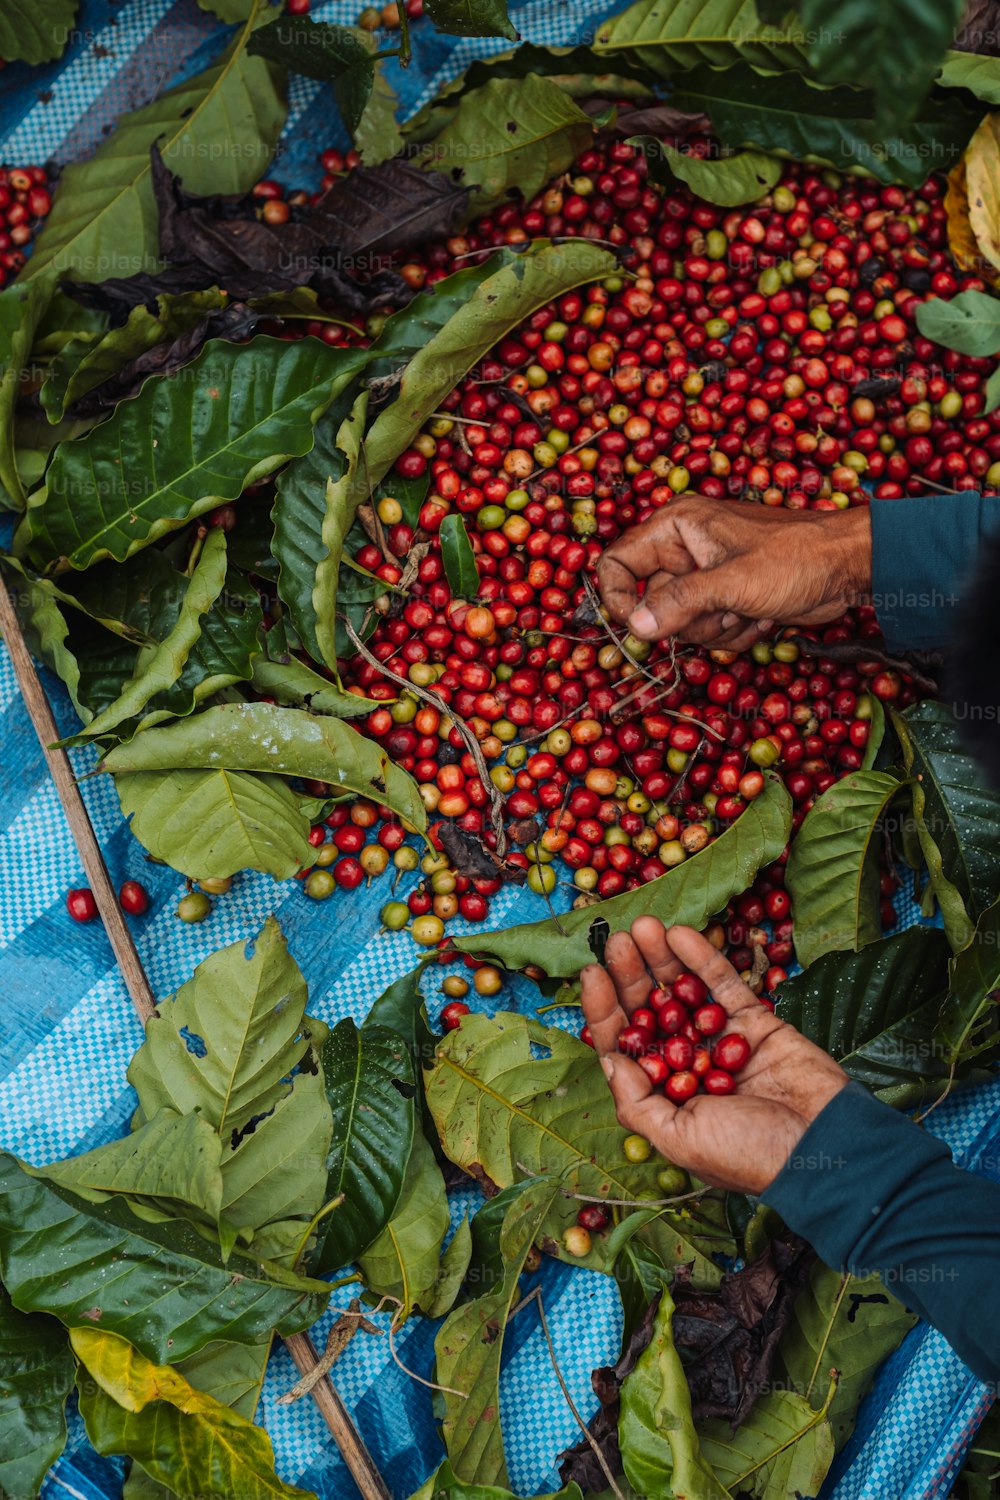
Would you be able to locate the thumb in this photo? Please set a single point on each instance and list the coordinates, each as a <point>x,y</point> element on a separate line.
<point>673,603</point>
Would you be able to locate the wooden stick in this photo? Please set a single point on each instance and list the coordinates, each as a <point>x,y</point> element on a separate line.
<point>356,1456</point>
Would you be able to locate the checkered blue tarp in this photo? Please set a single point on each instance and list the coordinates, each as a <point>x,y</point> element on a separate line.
<point>68,1030</point>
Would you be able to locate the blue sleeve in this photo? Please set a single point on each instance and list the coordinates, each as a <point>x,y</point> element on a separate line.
<point>923,552</point>
<point>872,1191</point>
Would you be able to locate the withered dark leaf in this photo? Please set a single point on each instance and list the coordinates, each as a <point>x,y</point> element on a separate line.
<point>646,119</point>
<point>376,210</point>
<point>471,858</point>
<point>980,28</point>
<point>523,830</point>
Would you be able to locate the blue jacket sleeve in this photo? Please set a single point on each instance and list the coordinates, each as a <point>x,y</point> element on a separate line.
<point>872,1191</point>
<point>923,552</point>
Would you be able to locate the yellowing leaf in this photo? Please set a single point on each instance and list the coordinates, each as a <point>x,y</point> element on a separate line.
<point>982,168</point>
<point>182,1437</point>
<point>961,239</point>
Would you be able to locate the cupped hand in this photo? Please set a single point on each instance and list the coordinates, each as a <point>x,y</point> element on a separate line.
<point>724,573</point>
<point>741,1140</point>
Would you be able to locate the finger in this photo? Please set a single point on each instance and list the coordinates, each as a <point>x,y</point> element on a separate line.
<point>628,971</point>
<point>744,638</point>
<point>691,605</point>
<point>637,1106</point>
<point>618,585</point>
<point>601,1007</point>
<point>650,939</point>
<point>699,957</point>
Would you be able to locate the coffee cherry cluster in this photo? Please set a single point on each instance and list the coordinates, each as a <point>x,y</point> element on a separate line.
<point>25,200</point>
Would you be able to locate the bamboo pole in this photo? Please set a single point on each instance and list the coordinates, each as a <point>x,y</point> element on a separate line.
<point>335,1414</point>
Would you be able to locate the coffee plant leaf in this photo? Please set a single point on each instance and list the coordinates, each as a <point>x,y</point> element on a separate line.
<point>38,1375</point>
<point>969,323</point>
<point>294,685</point>
<point>783,1448</point>
<point>669,36</point>
<point>21,310</point>
<point>978,73</point>
<point>689,894</point>
<point>36,33</point>
<point>968,1022</point>
<point>343,496</point>
<point>982,162</point>
<point>444,1486</point>
<point>726,180</point>
<point>472,18</point>
<point>404,1261</point>
<point>371,1092</point>
<point>458,558</point>
<point>172,1292</point>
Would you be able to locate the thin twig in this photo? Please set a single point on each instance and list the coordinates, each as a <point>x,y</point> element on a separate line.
<point>469,739</point>
<point>420,1379</point>
<point>351,1320</point>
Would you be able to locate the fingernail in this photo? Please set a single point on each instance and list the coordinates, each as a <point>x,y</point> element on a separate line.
<point>607,1063</point>
<point>729,619</point>
<point>642,621</point>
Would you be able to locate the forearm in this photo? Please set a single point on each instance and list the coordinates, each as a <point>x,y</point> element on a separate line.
<point>872,1191</point>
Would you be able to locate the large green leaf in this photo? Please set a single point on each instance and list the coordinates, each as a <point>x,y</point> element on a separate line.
<point>955,807</point>
<point>670,34</point>
<point>21,309</point>
<point>287,741</point>
<point>510,135</point>
<point>782,1449</point>
<point>656,1431</point>
<point>103,221</point>
<point>166,661</point>
<point>689,894</point>
<point>469,1346</point>
<point>182,1437</point>
<point>500,301</point>
<point>728,180</point>
<point>969,322</point>
<point>842,1322</point>
<point>369,1084</point>
<point>444,1486</point>
<point>185,443</point>
<point>893,47</point>
<point>471,17</point>
<point>343,495</point>
<point>789,116</point>
<point>458,558</point>
<point>36,1376</point>
<point>171,1162</point>
<point>212,824</point>
<point>35,33</point>
<point>404,1261</point>
<point>833,869</point>
<point>876,1010</point>
<point>978,73</point>
<point>47,631</point>
<point>162,1286</point>
<point>292,683</point>
<point>972,997</point>
<point>509,1096</point>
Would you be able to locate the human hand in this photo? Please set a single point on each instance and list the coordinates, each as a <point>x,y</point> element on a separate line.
<point>741,1140</point>
<point>724,573</point>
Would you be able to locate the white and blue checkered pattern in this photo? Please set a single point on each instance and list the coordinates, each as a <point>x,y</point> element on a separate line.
<point>68,1030</point>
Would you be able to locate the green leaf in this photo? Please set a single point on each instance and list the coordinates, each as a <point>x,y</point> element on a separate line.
<point>501,1112</point>
<point>37,1377</point>
<point>87,362</point>
<point>287,741</point>
<point>103,221</point>
<point>656,1431</point>
<point>232,1373</point>
<point>471,17</point>
<point>840,1322</point>
<point>973,71</point>
<point>211,824</point>
<point>21,309</point>
<point>832,874</point>
<point>171,1162</point>
<point>789,116</point>
<point>370,1088</point>
<point>47,632</point>
<point>992,393</point>
<point>726,180</point>
<point>38,33</point>
<point>669,34</point>
<point>689,894</point>
<point>315,49</point>
<point>377,136</point>
<point>343,496</point>
<point>162,1286</point>
<point>956,806</point>
<point>782,1448</point>
<point>444,1486</point>
<point>404,1260</point>
<point>182,1437</point>
<point>452,1271</point>
<point>295,685</point>
<point>458,558</point>
<point>166,662</point>
<point>513,134</point>
<point>972,998</point>
<point>893,47</point>
<point>969,322</point>
<point>876,736</point>
<point>876,1010</point>
<point>469,1347</point>
<point>185,443</point>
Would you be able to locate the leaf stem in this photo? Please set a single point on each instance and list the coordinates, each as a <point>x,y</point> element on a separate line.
<point>406,49</point>
<point>310,1229</point>
<point>817,1417</point>
<point>837,1301</point>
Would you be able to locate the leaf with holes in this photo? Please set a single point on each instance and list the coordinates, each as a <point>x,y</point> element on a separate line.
<point>37,1377</point>
<point>727,180</point>
<point>285,741</point>
<point>509,137</point>
<point>969,322</point>
<point>667,35</point>
<point>180,1436</point>
<point>404,1261</point>
<point>832,873</point>
<point>458,558</point>
<point>21,310</point>
<point>510,1096</point>
<point>172,1294</point>
<point>370,1088</point>
<point>211,824</point>
<point>103,221</point>
<point>469,1346</point>
<point>876,1011</point>
<point>690,894</point>
<point>183,445</point>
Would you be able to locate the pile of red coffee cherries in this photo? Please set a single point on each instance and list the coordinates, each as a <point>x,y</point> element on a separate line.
<point>25,201</point>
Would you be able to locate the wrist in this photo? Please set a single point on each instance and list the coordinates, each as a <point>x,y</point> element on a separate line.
<point>847,552</point>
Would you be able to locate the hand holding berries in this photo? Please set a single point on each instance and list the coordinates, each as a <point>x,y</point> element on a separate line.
<point>782,1081</point>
